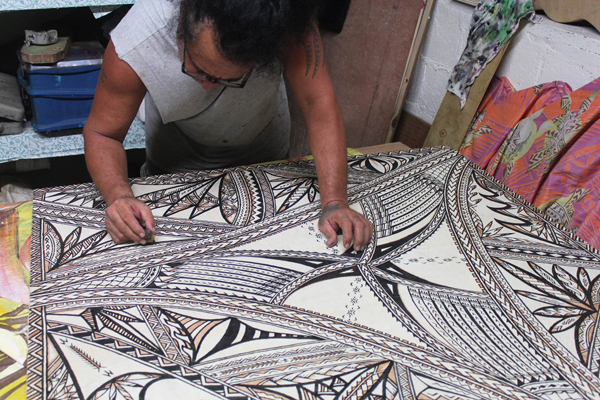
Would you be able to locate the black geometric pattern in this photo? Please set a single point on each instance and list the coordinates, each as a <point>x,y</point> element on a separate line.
<point>465,292</point>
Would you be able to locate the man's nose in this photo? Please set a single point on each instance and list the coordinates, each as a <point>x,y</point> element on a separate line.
<point>208,85</point>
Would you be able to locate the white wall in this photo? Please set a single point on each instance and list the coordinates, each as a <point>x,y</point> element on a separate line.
<point>540,52</point>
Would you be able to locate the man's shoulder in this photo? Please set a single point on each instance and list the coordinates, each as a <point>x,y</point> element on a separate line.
<point>146,19</point>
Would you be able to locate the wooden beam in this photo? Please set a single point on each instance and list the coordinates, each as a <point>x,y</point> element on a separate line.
<point>413,55</point>
<point>451,123</point>
<point>571,10</point>
<point>384,148</point>
<point>470,2</point>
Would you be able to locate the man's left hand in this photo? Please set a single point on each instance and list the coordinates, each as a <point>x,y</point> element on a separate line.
<point>336,216</point>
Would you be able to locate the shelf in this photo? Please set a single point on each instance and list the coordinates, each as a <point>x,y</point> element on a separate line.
<point>31,145</point>
<point>14,5</point>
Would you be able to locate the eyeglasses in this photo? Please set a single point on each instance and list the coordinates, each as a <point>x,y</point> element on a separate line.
<point>203,76</point>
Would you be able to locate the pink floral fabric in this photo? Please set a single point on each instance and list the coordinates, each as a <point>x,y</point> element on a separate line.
<point>544,143</point>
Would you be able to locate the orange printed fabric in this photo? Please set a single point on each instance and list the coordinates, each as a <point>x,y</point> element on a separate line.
<point>15,243</point>
<point>544,143</point>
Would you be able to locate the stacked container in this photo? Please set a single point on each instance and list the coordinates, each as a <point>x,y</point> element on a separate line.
<point>12,112</point>
<point>61,94</point>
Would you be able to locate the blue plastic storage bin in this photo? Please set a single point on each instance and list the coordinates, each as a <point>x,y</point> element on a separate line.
<point>58,109</point>
<point>79,70</point>
<point>61,94</point>
<point>84,77</point>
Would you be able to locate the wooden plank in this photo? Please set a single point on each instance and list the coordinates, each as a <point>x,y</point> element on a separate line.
<point>49,54</point>
<point>571,11</point>
<point>451,123</point>
<point>384,148</point>
<point>413,55</point>
<point>470,2</point>
<point>404,19</point>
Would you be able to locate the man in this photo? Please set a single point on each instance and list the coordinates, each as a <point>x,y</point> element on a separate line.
<point>210,71</point>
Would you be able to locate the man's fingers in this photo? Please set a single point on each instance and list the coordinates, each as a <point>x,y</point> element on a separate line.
<point>347,231</point>
<point>132,223</point>
<point>329,232</point>
<point>143,214</point>
<point>360,234</point>
<point>147,217</point>
<point>367,232</point>
<point>126,230</point>
<point>114,233</point>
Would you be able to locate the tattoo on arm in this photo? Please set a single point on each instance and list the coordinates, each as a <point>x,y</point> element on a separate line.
<point>313,49</point>
<point>103,76</point>
<point>330,208</point>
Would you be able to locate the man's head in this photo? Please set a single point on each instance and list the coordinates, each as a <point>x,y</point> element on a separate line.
<point>230,37</point>
<point>204,62</point>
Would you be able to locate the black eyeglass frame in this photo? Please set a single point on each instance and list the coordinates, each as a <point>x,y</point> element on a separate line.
<point>238,83</point>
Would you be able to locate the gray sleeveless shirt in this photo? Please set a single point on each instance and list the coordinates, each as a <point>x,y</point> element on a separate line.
<point>190,128</point>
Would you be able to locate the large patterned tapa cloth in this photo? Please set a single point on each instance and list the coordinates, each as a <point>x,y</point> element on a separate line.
<point>466,291</point>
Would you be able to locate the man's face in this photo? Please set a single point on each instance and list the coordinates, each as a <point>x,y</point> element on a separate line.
<point>203,59</point>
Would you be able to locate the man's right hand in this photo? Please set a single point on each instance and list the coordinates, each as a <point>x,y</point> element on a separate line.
<point>124,217</point>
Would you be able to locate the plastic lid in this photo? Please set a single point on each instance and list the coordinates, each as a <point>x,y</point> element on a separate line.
<point>79,54</point>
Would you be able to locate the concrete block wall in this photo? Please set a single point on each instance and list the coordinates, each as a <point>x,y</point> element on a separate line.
<point>539,52</point>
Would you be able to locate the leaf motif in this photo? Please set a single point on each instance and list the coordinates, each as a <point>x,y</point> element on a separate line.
<point>295,189</point>
<point>568,282</point>
<point>376,166</point>
<point>584,335</point>
<point>287,184</point>
<point>293,198</point>
<point>72,238</point>
<point>180,197</point>
<point>367,379</point>
<point>53,245</point>
<point>542,298</point>
<point>168,195</point>
<point>545,275</point>
<point>197,197</point>
<point>122,390</point>
<point>83,247</point>
<point>380,165</point>
<point>487,227</point>
<point>564,324</point>
<point>532,280</point>
<point>207,203</point>
<point>584,278</point>
<point>559,312</point>
<point>478,223</point>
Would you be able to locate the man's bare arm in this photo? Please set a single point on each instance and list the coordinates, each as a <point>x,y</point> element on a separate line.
<point>311,84</point>
<point>118,96</point>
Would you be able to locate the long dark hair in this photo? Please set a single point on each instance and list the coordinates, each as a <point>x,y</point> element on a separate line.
<point>249,32</point>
